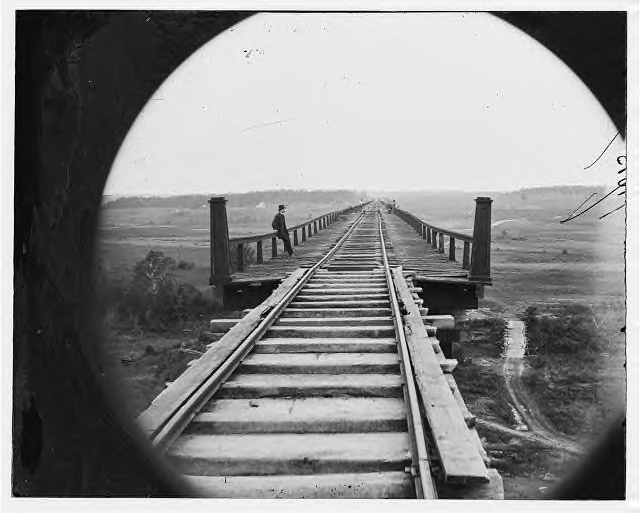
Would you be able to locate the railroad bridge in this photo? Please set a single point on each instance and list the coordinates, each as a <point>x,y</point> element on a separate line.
<point>338,380</point>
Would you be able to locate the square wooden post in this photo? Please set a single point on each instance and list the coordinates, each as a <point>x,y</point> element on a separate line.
<point>481,246</point>
<point>466,255</point>
<point>240,256</point>
<point>259,253</point>
<point>220,259</point>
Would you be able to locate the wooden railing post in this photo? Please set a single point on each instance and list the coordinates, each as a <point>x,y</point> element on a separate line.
<point>428,235</point>
<point>315,227</point>
<point>274,247</point>
<point>295,237</point>
<point>441,242</point>
<point>452,249</point>
<point>309,230</point>
<point>259,253</point>
<point>240,256</point>
<point>304,233</point>
<point>220,260</point>
<point>424,231</point>
<point>434,239</point>
<point>466,255</point>
<point>481,248</point>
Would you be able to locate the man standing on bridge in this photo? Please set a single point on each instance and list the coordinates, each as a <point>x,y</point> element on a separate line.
<point>280,226</point>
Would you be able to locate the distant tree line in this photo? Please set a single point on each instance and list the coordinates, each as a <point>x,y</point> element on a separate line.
<point>249,199</point>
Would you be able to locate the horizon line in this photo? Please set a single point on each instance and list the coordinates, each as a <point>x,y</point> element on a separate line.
<point>368,191</point>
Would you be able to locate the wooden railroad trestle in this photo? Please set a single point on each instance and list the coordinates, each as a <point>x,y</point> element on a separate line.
<point>335,386</point>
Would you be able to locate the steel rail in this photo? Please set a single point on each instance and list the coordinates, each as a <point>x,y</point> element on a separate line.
<point>205,390</point>
<point>425,487</point>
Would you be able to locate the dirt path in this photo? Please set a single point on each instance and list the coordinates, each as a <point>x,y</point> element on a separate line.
<point>570,447</point>
<point>535,426</point>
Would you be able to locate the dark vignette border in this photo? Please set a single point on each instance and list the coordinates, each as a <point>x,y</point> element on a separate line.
<point>81,79</point>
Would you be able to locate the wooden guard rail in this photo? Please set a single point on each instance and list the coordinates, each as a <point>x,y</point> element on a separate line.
<point>221,244</point>
<point>476,253</point>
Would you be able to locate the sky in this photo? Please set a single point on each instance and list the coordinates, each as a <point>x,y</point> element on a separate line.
<point>387,102</point>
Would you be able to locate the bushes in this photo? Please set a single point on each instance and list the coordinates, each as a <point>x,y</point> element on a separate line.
<point>154,299</point>
<point>489,333</point>
<point>184,265</point>
<point>570,331</point>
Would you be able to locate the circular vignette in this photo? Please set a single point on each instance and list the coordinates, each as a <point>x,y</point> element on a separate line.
<point>91,73</point>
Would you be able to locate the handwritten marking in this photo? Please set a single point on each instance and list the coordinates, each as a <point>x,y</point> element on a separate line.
<point>622,184</point>
<point>612,211</point>
<point>603,151</point>
<point>570,218</point>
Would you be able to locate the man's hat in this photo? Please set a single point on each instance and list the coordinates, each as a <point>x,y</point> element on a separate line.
<point>281,207</point>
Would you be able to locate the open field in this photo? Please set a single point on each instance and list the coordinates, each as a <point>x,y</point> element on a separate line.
<point>536,261</point>
<point>179,227</point>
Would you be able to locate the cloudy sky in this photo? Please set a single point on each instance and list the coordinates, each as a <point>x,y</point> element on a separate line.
<point>367,101</point>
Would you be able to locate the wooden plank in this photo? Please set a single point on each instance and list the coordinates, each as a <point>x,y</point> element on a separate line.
<point>320,363</point>
<point>493,490</point>
<point>374,485</point>
<point>440,321</point>
<point>469,418</point>
<point>250,386</point>
<point>301,415</point>
<point>459,457</point>
<point>168,401</point>
<point>448,365</point>
<point>285,453</point>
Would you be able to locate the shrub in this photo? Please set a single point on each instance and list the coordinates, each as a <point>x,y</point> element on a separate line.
<point>489,332</point>
<point>570,331</point>
<point>154,299</point>
<point>184,265</point>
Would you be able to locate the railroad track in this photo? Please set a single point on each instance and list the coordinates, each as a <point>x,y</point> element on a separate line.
<point>318,399</point>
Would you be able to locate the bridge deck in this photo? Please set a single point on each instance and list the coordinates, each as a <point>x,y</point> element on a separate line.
<point>409,250</point>
<point>307,254</point>
<point>414,254</point>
